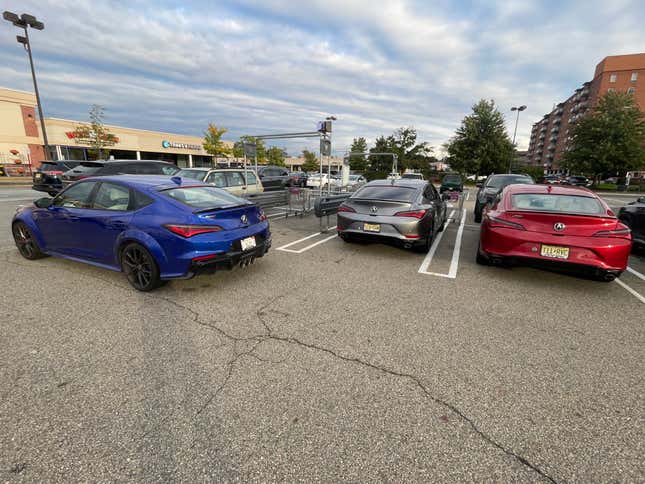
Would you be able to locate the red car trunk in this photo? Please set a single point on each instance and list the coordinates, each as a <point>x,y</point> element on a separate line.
<point>576,225</point>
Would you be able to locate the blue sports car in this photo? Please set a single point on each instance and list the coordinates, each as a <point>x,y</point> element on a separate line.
<point>153,228</point>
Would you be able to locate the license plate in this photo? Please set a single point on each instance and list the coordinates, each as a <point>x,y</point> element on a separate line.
<point>248,243</point>
<point>371,227</point>
<point>39,175</point>
<point>554,252</point>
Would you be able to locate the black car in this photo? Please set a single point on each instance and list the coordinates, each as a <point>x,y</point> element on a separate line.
<point>48,177</point>
<point>492,186</point>
<point>633,215</point>
<point>274,177</point>
<point>299,178</point>
<point>118,167</point>
<point>577,181</point>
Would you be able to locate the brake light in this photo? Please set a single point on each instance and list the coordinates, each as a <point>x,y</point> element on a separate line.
<point>416,214</point>
<point>261,215</point>
<point>506,224</point>
<point>344,208</point>
<point>621,233</point>
<point>204,257</point>
<point>190,230</point>
<point>53,172</point>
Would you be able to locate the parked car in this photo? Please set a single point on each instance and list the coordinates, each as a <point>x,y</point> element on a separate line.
<point>412,176</point>
<point>356,181</point>
<point>314,181</point>
<point>237,181</point>
<point>552,180</point>
<point>633,215</point>
<point>48,177</point>
<point>394,176</point>
<point>410,212</point>
<point>274,177</point>
<point>118,167</point>
<point>452,183</point>
<point>152,228</point>
<point>577,181</point>
<point>492,186</point>
<point>298,178</point>
<point>611,180</point>
<point>564,228</point>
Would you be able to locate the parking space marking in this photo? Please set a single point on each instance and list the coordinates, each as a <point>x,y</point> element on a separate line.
<point>467,195</point>
<point>285,248</point>
<point>454,263</point>
<point>428,258</point>
<point>638,296</point>
<point>636,273</point>
<point>300,251</point>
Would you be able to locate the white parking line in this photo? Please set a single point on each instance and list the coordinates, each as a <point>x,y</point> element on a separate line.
<point>309,246</point>
<point>636,273</point>
<point>428,258</point>
<point>285,248</point>
<point>638,296</point>
<point>454,263</point>
<point>277,215</point>
<point>467,195</point>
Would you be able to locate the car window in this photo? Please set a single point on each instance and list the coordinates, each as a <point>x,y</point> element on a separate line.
<point>147,168</point>
<point>217,178</point>
<point>76,196</point>
<point>452,178</point>
<point>194,174</point>
<point>112,169</point>
<point>139,200</point>
<point>386,192</point>
<point>502,181</point>
<point>111,196</point>
<point>205,197</point>
<point>234,179</point>
<point>250,178</point>
<point>169,170</point>
<point>542,202</point>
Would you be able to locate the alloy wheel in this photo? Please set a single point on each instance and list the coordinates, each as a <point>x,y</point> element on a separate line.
<point>139,267</point>
<point>25,242</point>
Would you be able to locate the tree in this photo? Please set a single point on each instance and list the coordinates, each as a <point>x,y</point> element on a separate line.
<point>608,140</point>
<point>95,134</point>
<point>481,144</point>
<point>411,155</point>
<point>276,156</point>
<point>358,162</point>
<point>238,148</point>
<point>311,161</point>
<point>380,165</point>
<point>213,144</point>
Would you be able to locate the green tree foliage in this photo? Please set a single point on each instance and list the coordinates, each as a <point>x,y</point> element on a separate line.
<point>610,140</point>
<point>95,134</point>
<point>481,144</point>
<point>311,161</point>
<point>380,165</point>
<point>238,149</point>
<point>276,156</point>
<point>358,162</point>
<point>411,155</point>
<point>213,143</point>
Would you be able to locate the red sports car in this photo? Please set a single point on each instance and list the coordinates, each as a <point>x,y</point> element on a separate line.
<point>559,227</point>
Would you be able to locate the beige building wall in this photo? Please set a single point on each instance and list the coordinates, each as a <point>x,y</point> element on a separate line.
<point>18,132</point>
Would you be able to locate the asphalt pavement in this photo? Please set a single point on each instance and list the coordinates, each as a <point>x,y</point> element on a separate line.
<point>326,362</point>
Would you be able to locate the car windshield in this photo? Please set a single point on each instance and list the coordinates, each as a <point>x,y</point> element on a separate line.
<point>452,178</point>
<point>502,181</point>
<point>386,192</point>
<point>571,204</point>
<point>194,174</point>
<point>205,197</point>
<point>414,176</point>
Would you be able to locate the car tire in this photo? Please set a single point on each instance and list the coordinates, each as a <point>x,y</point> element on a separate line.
<point>478,213</point>
<point>140,268</point>
<point>26,242</point>
<point>425,247</point>
<point>481,259</point>
<point>627,220</point>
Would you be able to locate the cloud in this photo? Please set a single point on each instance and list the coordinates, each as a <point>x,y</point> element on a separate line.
<point>278,65</point>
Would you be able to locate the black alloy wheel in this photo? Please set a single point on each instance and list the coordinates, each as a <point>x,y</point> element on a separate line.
<point>140,268</point>
<point>25,242</point>
<point>425,247</point>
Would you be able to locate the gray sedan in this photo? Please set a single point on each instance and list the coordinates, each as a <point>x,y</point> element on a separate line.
<point>408,211</point>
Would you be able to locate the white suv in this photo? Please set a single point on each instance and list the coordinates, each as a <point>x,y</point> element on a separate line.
<point>230,179</point>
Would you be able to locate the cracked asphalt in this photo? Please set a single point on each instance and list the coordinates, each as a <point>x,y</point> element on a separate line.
<point>338,364</point>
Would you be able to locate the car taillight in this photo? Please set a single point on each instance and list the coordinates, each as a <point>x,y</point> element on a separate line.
<point>415,213</point>
<point>204,257</point>
<point>190,230</point>
<point>261,215</point>
<point>620,233</point>
<point>53,172</point>
<point>344,208</point>
<point>507,224</point>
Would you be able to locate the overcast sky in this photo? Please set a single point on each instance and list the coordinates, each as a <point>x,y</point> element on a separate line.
<point>281,65</point>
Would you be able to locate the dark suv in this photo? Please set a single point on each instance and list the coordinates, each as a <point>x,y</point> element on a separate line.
<point>274,177</point>
<point>451,182</point>
<point>118,167</point>
<point>48,177</point>
<point>492,186</point>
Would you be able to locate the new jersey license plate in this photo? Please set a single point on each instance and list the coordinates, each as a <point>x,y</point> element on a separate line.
<point>371,227</point>
<point>554,251</point>
<point>247,244</point>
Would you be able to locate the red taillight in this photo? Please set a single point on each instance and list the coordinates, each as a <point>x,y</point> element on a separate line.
<point>190,230</point>
<point>261,215</point>
<point>506,224</point>
<point>53,172</point>
<point>620,233</point>
<point>344,208</point>
<point>204,257</point>
<point>416,214</point>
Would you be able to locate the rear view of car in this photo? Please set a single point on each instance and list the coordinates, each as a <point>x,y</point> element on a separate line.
<point>451,183</point>
<point>555,227</point>
<point>493,185</point>
<point>49,177</point>
<point>85,169</point>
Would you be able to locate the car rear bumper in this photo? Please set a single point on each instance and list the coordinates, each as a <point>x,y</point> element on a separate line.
<point>228,260</point>
<point>607,254</point>
<point>405,229</point>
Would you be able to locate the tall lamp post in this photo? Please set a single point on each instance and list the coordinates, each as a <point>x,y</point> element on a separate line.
<point>518,109</point>
<point>24,22</point>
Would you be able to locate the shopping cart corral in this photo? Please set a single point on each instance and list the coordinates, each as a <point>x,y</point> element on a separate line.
<point>455,200</point>
<point>291,201</point>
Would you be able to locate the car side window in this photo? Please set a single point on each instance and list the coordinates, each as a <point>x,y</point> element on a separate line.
<point>250,178</point>
<point>235,179</point>
<point>111,196</point>
<point>429,193</point>
<point>217,178</point>
<point>147,169</point>
<point>169,170</point>
<point>76,196</point>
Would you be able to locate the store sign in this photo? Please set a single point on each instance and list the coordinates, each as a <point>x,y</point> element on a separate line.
<point>183,146</point>
<point>74,135</point>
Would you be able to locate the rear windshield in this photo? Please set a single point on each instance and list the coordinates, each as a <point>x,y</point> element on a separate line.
<point>452,178</point>
<point>387,192</point>
<point>194,174</point>
<point>502,181</point>
<point>412,176</point>
<point>542,202</point>
<point>205,197</point>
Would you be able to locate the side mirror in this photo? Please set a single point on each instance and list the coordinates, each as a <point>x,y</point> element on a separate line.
<point>45,202</point>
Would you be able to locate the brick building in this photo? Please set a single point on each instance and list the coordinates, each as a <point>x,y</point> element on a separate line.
<point>550,136</point>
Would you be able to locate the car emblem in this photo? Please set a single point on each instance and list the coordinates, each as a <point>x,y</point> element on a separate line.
<point>559,227</point>
<point>244,219</point>
<point>374,209</point>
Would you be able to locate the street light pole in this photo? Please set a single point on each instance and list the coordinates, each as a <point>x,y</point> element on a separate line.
<point>25,21</point>
<point>517,119</point>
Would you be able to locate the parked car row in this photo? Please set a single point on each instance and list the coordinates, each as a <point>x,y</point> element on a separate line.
<point>573,180</point>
